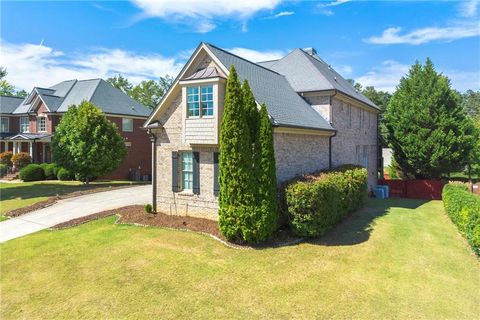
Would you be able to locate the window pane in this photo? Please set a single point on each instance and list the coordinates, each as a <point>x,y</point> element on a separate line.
<point>193,102</point>
<point>187,170</point>
<point>127,124</point>
<point>207,100</point>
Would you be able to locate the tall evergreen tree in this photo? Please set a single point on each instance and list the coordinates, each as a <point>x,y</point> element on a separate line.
<point>428,130</point>
<point>235,163</point>
<point>266,217</point>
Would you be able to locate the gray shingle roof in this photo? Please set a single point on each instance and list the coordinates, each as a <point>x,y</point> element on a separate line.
<point>284,105</point>
<point>307,72</point>
<point>8,104</point>
<point>62,95</point>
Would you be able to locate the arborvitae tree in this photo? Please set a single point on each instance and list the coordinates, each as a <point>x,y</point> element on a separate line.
<point>266,217</point>
<point>428,130</point>
<point>235,163</point>
<point>87,143</point>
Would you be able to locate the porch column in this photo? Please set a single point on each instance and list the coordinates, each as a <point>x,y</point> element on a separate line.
<point>15,147</point>
<point>30,149</point>
<point>43,152</point>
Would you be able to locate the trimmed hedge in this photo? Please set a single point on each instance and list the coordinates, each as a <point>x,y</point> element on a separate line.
<point>32,172</point>
<point>315,203</point>
<point>64,175</point>
<point>3,169</point>
<point>463,208</point>
<point>49,170</point>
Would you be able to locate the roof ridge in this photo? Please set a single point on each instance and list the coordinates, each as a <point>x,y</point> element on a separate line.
<point>246,60</point>
<point>96,87</point>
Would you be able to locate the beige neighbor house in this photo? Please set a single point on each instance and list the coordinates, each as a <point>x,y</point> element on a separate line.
<point>319,121</point>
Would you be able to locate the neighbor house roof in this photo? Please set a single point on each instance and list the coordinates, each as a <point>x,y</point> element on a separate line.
<point>8,104</point>
<point>284,105</point>
<point>97,91</point>
<point>307,72</point>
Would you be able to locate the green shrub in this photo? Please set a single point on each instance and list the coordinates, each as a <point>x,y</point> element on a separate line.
<point>148,208</point>
<point>3,169</point>
<point>6,158</point>
<point>315,203</point>
<point>463,208</point>
<point>32,172</point>
<point>56,168</point>
<point>64,175</point>
<point>48,170</point>
<point>21,159</point>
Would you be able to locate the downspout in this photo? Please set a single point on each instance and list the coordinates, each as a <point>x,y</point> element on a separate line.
<point>330,164</point>
<point>153,139</point>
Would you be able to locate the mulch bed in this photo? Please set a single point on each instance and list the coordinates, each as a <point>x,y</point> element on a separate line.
<point>52,200</point>
<point>136,215</point>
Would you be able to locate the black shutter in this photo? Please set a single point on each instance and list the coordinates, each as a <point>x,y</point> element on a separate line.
<point>175,186</point>
<point>216,185</point>
<point>196,172</point>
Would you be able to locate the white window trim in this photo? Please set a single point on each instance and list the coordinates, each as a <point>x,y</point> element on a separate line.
<point>199,86</point>
<point>38,124</point>
<point>123,125</point>
<point>8,124</point>
<point>182,186</point>
<point>28,124</point>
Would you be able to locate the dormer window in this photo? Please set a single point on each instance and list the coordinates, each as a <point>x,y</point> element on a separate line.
<point>200,101</point>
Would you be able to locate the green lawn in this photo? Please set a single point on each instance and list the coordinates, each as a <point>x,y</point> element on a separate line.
<point>399,259</point>
<point>22,194</point>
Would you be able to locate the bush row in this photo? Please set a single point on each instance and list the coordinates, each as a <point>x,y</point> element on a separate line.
<point>44,171</point>
<point>19,160</point>
<point>463,208</point>
<point>315,203</point>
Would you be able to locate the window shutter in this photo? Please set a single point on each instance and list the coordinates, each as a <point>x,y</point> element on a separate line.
<point>175,186</point>
<point>216,185</point>
<point>196,172</point>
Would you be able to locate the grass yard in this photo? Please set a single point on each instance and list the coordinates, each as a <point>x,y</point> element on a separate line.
<point>398,259</point>
<point>22,194</point>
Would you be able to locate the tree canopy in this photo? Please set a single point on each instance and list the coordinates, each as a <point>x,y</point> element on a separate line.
<point>87,143</point>
<point>147,92</point>
<point>427,128</point>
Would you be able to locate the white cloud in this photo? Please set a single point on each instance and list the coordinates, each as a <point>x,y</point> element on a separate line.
<point>202,15</point>
<point>281,14</point>
<point>257,56</point>
<point>31,65</point>
<point>344,70</point>
<point>424,35</point>
<point>387,76</point>
<point>468,8</point>
<point>324,7</point>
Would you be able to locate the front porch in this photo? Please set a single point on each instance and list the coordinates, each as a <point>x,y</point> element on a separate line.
<point>36,145</point>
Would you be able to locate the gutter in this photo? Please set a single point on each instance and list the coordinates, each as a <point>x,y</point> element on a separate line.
<point>153,139</point>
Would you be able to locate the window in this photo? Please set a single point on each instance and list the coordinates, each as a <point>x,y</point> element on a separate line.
<point>127,125</point>
<point>187,171</point>
<point>200,101</point>
<point>4,124</point>
<point>42,124</point>
<point>24,124</point>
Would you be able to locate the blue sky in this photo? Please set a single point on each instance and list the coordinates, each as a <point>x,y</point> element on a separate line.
<point>373,42</point>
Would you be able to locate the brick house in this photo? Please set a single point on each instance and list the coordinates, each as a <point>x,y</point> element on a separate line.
<point>27,124</point>
<point>319,121</point>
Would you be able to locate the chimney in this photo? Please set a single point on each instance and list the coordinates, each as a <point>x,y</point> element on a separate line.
<point>311,51</point>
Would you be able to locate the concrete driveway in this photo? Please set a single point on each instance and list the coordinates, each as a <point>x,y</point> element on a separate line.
<point>68,209</point>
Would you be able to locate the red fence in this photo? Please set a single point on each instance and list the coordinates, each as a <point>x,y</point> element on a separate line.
<point>415,189</point>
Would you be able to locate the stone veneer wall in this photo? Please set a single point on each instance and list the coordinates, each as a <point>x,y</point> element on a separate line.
<point>353,136</point>
<point>297,154</point>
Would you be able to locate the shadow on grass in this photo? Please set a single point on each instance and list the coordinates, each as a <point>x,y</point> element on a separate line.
<point>357,227</point>
<point>50,189</point>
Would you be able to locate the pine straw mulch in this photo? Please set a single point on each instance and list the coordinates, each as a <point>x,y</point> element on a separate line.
<point>53,199</point>
<point>136,215</point>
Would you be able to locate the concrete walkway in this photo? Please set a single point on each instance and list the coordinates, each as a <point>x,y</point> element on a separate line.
<point>68,209</point>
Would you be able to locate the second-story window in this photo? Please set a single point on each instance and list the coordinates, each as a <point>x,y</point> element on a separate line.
<point>24,122</point>
<point>42,124</point>
<point>4,124</point>
<point>127,125</point>
<point>200,101</point>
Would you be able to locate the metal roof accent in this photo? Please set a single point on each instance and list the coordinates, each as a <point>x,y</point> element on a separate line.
<point>206,73</point>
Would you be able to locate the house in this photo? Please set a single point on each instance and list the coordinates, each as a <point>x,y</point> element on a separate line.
<point>27,124</point>
<point>319,121</point>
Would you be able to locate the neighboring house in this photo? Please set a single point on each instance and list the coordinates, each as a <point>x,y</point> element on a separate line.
<point>27,125</point>
<point>319,121</point>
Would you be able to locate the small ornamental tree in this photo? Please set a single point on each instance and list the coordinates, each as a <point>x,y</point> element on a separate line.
<point>235,163</point>
<point>21,159</point>
<point>86,143</point>
<point>428,130</point>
